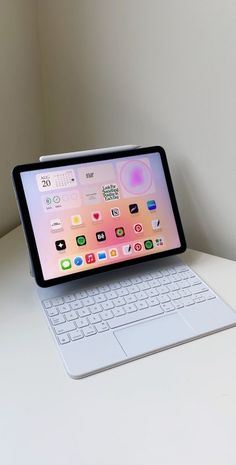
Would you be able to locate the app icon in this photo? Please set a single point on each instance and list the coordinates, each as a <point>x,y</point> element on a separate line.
<point>60,245</point>
<point>148,244</point>
<point>133,208</point>
<point>76,220</point>
<point>115,212</point>
<point>113,253</point>
<point>56,199</point>
<point>101,236</point>
<point>66,264</point>
<point>159,241</point>
<point>138,246</point>
<point>96,216</point>
<point>81,240</point>
<point>156,224</point>
<point>56,224</point>
<point>127,249</point>
<point>102,255</point>
<point>90,258</point>
<point>138,228</point>
<point>78,261</point>
<point>120,232</point>
<point>151,205</point>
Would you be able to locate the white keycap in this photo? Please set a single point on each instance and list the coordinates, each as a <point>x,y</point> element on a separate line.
<point>141,295</point>
<point>133,289</point>
<point>165,272</point>
<point>63,339</point>
<point>175,277</point>
<point>89,331</point>
<point>188,301</point>
<point>106,315</point>
<point>136,280</point>
<point>184,292</point>
<point>82,322</point>
<point>47,303</point>
<point>100,327</point>
<point>65,327</point>
<point>184,284</point>
<point>94,318</point>
<point>151,301</point>
<point>163,289</point>
<point>156,274</point>
<point>174,295</point>
<point>52,311</point>
<point>146,277</point>
<point>122,291</point>
<point>95,308</point>
<point>129,299</point>
<point>144,286</point>
<point>88,301</point>
<point>63,308</point>
<point>118,311</point>
<point>154,283</point>
<point>76,334</point>
<point>141,304</point>
<point>111,295</point>
<point>167,307</point>
<point>187,274</point>
<point>125,282</point>
<point>56,320</point>
<point>107,305</point>
<point>173,287</point>
<point>136,316</point>
<point>198,298</point>
<point>57,301</point>
<point>71,315</point>
<point>92,291</point>
<point>163,298</point>
<point>199,288</point>
<point>103,288</point>
<point>114,286</point>
<point>129,308</point>
<point>194,281</point>
<point>69,298</point>
<point>178,304</point>
<point>152,292</point>
<point>76,304</point>
<point>99,298</point>
<point>164,280</point>
<point>209,295</point>
<point>81,294</point>
<point>84,312</point>
<point>119,301</point>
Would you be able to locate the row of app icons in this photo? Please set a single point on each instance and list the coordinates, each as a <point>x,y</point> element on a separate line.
<point>101,235</point>
<point>103,255</point>
<point>96,216</point>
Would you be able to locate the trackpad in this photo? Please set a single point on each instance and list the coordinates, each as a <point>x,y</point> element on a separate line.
<point>153,334</point>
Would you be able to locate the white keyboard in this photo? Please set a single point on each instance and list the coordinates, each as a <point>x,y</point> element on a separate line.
<point>93,310</point>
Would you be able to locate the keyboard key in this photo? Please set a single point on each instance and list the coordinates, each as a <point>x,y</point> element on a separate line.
<point>154,283</point>
<point>82,322</point>
<point>111,295</point>
<point>57,301</point>
<point>100,327</point>
<point>118,311</point>
<point>156,274</point>
<point>107,305</point>
<point>76,304</point>
<point>81,294</point>
<point>56,320</point>
<point>141,295</point>
<point>198,298</point>
<point>152,301</point>
<point>106,315</point>
<point>47,303</point>
<point>184,292</point>
<point>125,282</point>
<point>184,284</point>
<point>71,315</point>
<point>89,331</point>
<point>133,289</point>
<point>164,280</point>
<point>175,277</point>
<point>76,334</point>
<point>95,308</point>
<point>163,298</point>
<point>163,289</point>
<point>129,299</point>
<point>178,304</point>
<point>152,292</point>
<point>119,301</point>
<point>63,339</point>
<point>167,307</point>
<point>174,295</point>
<point>136,280</point>
<point>88,301</point>
<point>144,286</point>
<point>122,291</point>
<point>65,327</point>
<point>146,277</point>
<point>69,298</point>
<point>173,287</point>
<point>52,311</point>
<point>84,312</point>
<point>209,295</point>
<point>194,281</point>
<point>199,288</point>
<point>129,308</point>
<point>141,304</point>
<point>104,288</point>
<point>92,291</point>
<point>114,286</point>
<point>64,308</point>
<point>100,298</point>
<point>136,316</point>
<point>94,318</point>
<point>188,301</point>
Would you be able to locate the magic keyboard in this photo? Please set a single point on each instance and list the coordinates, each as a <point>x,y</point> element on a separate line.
<point>93,310</point>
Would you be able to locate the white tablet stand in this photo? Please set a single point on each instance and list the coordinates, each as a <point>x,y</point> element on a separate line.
<point>81,153</point>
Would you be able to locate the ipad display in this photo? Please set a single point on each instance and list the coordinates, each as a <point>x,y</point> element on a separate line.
<point>87,215</point>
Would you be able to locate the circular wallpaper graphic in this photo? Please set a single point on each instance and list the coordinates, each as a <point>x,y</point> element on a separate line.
<point>136,177</point>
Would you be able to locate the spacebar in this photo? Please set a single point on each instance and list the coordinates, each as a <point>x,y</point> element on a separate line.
<point>137,316</point>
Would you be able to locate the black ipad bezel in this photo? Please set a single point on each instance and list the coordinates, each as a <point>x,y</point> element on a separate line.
<point>28,228</point>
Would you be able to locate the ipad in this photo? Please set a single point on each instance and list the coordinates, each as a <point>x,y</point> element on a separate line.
<point>91,214</point>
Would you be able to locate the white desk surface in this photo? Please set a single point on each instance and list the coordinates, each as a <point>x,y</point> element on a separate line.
<point>177,407</point>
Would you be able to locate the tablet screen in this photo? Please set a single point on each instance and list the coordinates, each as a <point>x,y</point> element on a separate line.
<point>85,216</point>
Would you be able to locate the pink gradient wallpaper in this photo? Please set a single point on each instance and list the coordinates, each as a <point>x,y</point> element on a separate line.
<point>94,214</point>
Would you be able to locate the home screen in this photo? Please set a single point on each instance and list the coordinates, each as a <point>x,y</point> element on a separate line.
<point>94,214</point>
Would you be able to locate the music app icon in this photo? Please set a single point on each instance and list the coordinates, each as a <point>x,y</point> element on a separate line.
<point>90,258</point>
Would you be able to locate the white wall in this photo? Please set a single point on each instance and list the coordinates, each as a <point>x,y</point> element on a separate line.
<point>21,138</point>
<point>151,72</point>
